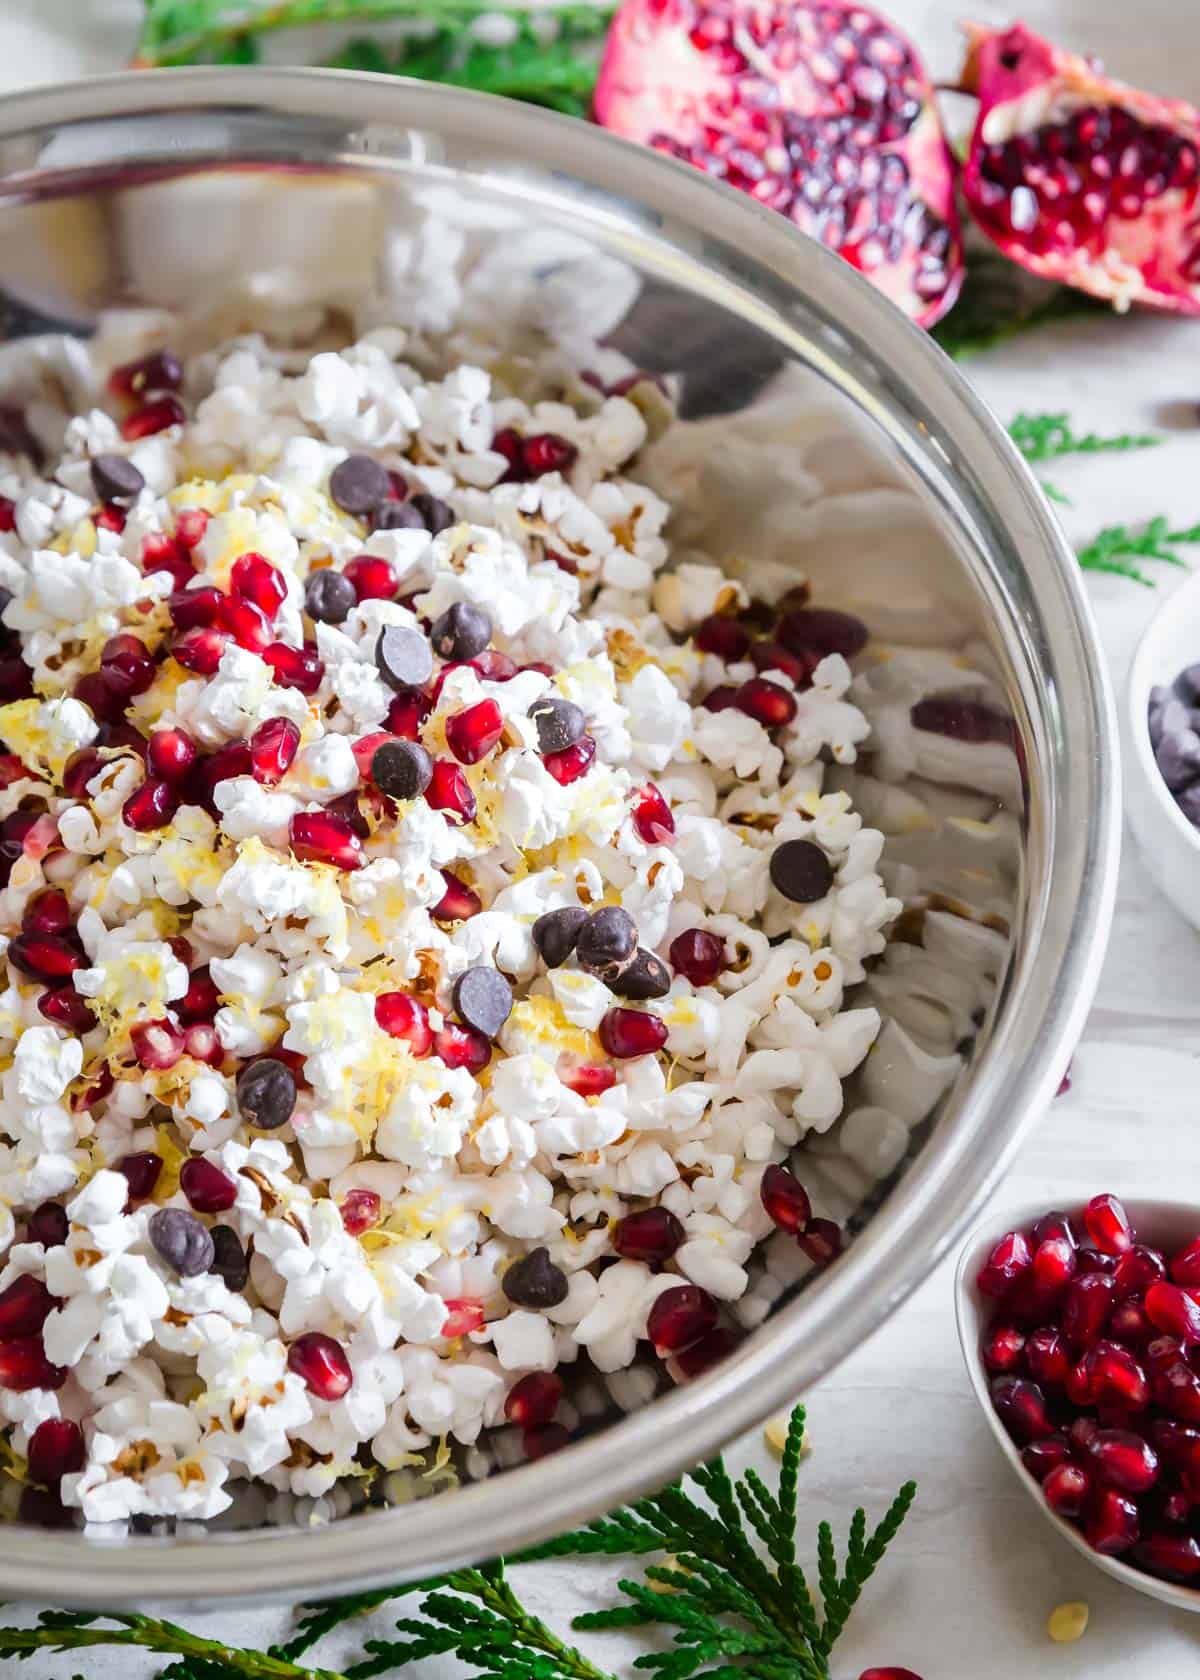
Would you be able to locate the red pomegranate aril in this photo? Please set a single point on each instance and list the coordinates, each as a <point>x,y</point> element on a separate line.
<point>625,1033</point>
<point>533,1400</point>
<point>109,519</point>
<point>44,956</point>
<point>653,820</point>
<point>319,837</point>
<point>822,1241</point>
<point>200,650</point>
<point>141,1170</point>
<point>698,956</point>
<point>156,1044</point>
<point>273,747</point>
<point>785,1199</point>
<point>769,703</point>
<point>1053,1266</point>
<point>710,1350</point>
<point>201,1000</point>
<point>1137,1270</point>
<point>450,792</point>
<point>161,370</point>
<point>1066,1489</point>
<point>360,1210</point>
<point>822,631</point>
<point>472,734</point>
<point>1128,1323</point>
<point>64,1006</point>
<point>1177,1391</point>
<point>458,903</point>
<point>724,637</point>
<point>1174,1442</point>
<point>546,452</point>
<point>365,748</point>
<point>153,417</point>
<point>196,609</point>
<point>723,698</point>
<point>1185,1267</point>
<point>1003,1349</point>
<point>206,1187</point>
<point>125,665</point>
<point>1004,1265</point>
<point>567,766</point>
<point>1079,1383</point>
<point>247,624</point>
<point>150,806</point>
<point>170,754</point>
<point>48,1225</point>
<point>494,666</point>
<point>1175,1507</point>
<point>460,1046</point>
<point>406,714</point>
<point>1047,1357</point>
<point>301,668</point>
<point>1054,1226</point>
<point>1021,1408</point>
<point>48,912</point>
<point>322,1365</point>
<point>8,514</point>
<point>1090,1260</point>
<point>439,682</point>
<point>1040,1457</point>
<point>1173,1556</point>
<point>55,1450</point>
<point>464,1315</point>
<point>1116,1377</point>
<point>773,656</point>
<point>680,1317</point>
<point>228,761</point>
<point>255,579</point>
<point>161,553</point>
<point>540,1443</point>
<point>405,1017</point>
<point>23,1365</point>
<point>1108,1225</point>
<point>190,526</point>
<point>25,1306</point>
<point>200,1041</point>
<point>588,1080</point>
<point>1087,1302</point>
<point>1174,1311</point>
<point>1123,1460</point>
<point>373,578</point>
<point>653,1235</point>
<point>12,770</point>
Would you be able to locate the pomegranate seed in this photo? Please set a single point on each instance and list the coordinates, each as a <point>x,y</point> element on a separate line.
<point>141,1171</point>
<point>161,553</point>
<point>156,1044</point>
<point>153,417</point>
<point>190,526</point>
<point>464,1315</point>
<point>507,442</point>
<point>247,624</point>
<point>1066,1489</point>
<point>318,837</point>
<point>823,631</point>
<point>458,903</point>
<point>567,766</point>
<point>1040,1457</point>
<point>1021,1407</point>
<point>625,1033</point>
<point>170,754</point>
<point>1079,1383</point>
<point>1054,1226</point>
<point>785,1199</point>
<point>109,519</point>
<point>1108,1225</point>
<point>460,1046</point>
<point>1177,1390</point>
<point>1185,1267</point>
<point>589,1080</point>
<point>546,452</point>
<point>540,1443</point>
<point>402,1016</point>
<point>201,1000</point>
<point>231,760</point>
<point>273,746</point>
<point>48,1225</point>
<point>23,1365</point>
<point>92,1093</point>
<point>255,579</point>
<point>200,650</point>
<point>724,637</point>
<point>472,734</point>
<point>822,1241</point>
<point>652,1235</point>
<point>1128,1323</point>
<point>47,957</point>
<point>698,956</point>
<point>196,609</point>
<point>360,1211</point>
<point>161,370</point>
<point>372,577</point>
<point>1123,1460</point>
<point>66,1008</point>
<point>49,912</point>
<point>1176,1507</point>
<point>1174,1311</point>
<point>25,1306</point>
<point>1007,1261</point>
<point>1175,1556</point>
<point>1053,1266</point>
<point>1116,1378</point>
<point>710,1350</point>
<point>534,1400</point>
<point>652,816</point>
<point>1137,1270</point>
<point>1087,1302</point>
<point>55,1450</point>
<point>11,770</point>
<point>206,1187</point>
<point>322,1364</point>
<point>773,656</point>
<point>365,748</point>
<point>767,702</point>
<point>449,791</point>
<point>300,668</point>
<point>406,714</point>
<point>1047,1357</point>
<point>1091,1260</point>
<point>1002,1350</point>
<point>723,698</point>
<point>200,1041</point>
<point>125,665</point>
<point>150,806</point>
<point>8,514</point>
<point>494,666</point>
<point>680,1317</point>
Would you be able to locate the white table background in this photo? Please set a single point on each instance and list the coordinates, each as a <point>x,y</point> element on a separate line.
<point>976,1571</point>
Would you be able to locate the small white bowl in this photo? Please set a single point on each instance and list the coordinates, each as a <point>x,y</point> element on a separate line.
<point>1165,1225</point>
<point>1169,843</point>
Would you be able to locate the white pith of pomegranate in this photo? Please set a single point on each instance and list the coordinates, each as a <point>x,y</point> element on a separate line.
<point>821,111</point>
<point>1081,179</point>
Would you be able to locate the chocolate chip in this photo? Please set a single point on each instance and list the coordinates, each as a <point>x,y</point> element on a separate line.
<point>435,515</point>
<point>535,1281</point>
<point>801,871</point>
<point>182,1240</point>
<point>266,1093</point>
<point>329,597</point>
<point>555,933</point>
<point>401,769</point>
<point>483,998</point>
<point>229,1258</point>
<point>645,977</point>
<point>396,516</point>
<point>359,484</point>
<point>461,632</point>
<point>404,657</point>
<point>607,941</point>
<point>116,479</point>
<point>560,723</point>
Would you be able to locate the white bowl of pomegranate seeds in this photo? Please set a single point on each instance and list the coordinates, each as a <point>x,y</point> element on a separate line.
<point>1081,1334</point>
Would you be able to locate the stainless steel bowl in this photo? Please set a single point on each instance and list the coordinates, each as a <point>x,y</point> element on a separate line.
<point>238,192</point>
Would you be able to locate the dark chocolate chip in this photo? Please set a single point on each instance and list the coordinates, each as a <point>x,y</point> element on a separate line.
<point>555,933</point>
<point>116,479</point>
<point>266,1093</point>
<point>607,941</point>
<point>401,769</point>
<point>182,1240</point>
<point>229,1258</point>
<point>359,484</point>
<point>645,977</point>
<point>560,723</point>
<point>404,657</point>
<point>329,597</point>
<point>435,515</point>
<point>535,1281</point>
<point>801,871</point>
<point>1178,758</point>
<point>461,632</point>
<point>396,516</point>
<point>483,999</point>
<point>1187,685</point>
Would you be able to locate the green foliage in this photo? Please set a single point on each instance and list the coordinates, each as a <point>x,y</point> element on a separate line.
<point>1118,546</point>
<point>727,1588</point>
<point>1043,437</point>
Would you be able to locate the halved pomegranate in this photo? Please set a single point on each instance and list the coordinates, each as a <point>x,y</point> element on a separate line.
<point>820,110</point>
<point>1081,179</point>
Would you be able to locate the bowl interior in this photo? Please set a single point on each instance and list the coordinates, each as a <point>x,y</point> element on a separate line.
<point>821,435</point>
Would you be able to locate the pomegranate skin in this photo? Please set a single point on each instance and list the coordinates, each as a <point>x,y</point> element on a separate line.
<point>1126,234</point>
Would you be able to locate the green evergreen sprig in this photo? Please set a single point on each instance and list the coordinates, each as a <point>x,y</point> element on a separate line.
<point>1118,546</point>
<point>1044,437</point>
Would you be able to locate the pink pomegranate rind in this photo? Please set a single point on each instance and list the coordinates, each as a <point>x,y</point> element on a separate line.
<point>820,110</point>
<point>1081,179</point>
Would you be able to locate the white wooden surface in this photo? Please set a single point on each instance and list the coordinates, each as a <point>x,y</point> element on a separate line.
<point>976,1573</point>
